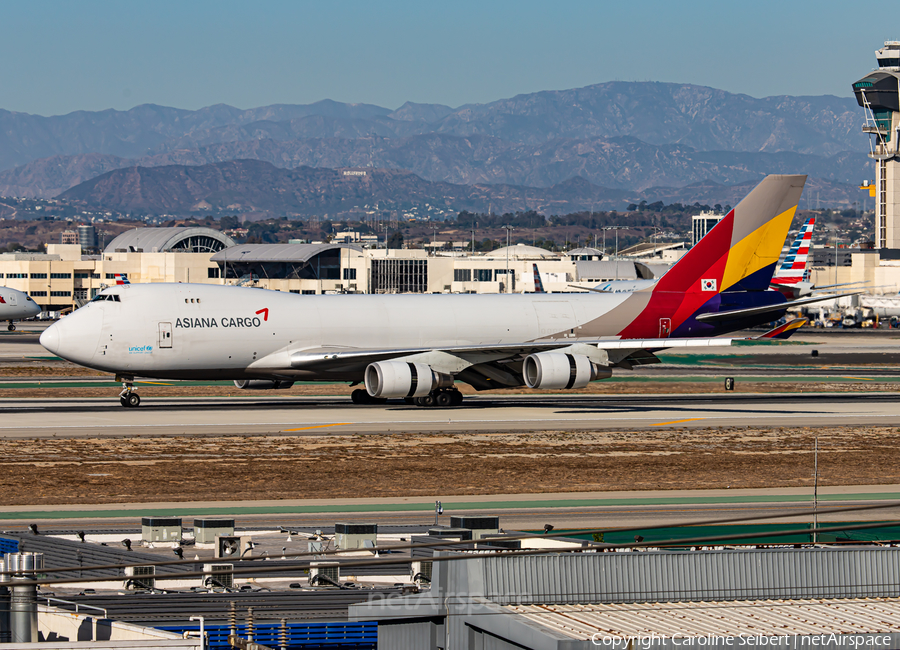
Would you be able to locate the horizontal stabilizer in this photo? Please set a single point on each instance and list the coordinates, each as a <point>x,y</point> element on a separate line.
<point>765,309</point>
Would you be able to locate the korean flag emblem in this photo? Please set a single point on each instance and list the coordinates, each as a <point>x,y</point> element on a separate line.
<point>708,285</point>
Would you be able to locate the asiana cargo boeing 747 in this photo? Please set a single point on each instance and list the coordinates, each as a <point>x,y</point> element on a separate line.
<point>418,346</point>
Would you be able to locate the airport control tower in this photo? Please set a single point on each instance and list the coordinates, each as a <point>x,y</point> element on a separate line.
<point>879,94</point>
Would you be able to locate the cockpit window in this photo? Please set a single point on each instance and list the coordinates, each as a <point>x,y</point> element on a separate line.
<point>106,296</point>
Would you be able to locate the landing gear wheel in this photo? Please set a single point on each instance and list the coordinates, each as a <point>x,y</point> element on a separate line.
<point>427,400</point>
<point>456,398</point>
<point>123,402</point>
<point>11,327</point>
<point>443,399</point>
<point>409,400</point>
<point>133,400</point>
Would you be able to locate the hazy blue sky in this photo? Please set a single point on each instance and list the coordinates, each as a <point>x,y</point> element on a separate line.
<point>61,56</point>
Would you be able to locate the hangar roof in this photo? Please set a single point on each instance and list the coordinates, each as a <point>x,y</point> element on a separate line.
<point>158,240</point>
<point>277,252</point>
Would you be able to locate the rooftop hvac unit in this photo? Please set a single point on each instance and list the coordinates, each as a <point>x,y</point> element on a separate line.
<point>218,575</point>
<point>480,526</point>
<point>161,529</point>
<point>420,571</point>
<point>140,577</point>
<point>206,530</point>
<point>354,536</point>
<point>232,546</point>
<point>461,534</point>
<point>331,571</point>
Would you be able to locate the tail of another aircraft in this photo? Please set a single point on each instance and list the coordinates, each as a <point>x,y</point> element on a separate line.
<point>538,285</point>
<point>121,278</point>
<point>793,268</point>
<point>785,331</point>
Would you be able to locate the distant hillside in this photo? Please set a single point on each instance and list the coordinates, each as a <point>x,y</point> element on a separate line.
<point>620,135</point>
<point>258,189</point>
<point>622,163</point>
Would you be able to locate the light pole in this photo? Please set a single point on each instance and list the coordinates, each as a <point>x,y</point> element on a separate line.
<point>508,228</point>
<point>616,256</point>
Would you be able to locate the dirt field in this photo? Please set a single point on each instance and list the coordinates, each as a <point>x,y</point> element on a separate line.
<point>271,467</point>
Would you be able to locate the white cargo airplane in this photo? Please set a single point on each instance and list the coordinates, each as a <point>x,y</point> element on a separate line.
<point>16,305</point>
<point>416,346</point>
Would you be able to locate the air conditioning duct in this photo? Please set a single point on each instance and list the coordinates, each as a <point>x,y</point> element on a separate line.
<point>559,370</point>
<point>262,384</point>
<point>403,379</point>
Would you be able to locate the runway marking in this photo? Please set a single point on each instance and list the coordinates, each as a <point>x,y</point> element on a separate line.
<point>859,378</point>
<point>318,426</point>
<point>662,424</point>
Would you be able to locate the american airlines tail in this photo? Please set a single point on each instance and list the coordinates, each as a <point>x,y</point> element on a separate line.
<point>538,285</point>
<point>793,268</point>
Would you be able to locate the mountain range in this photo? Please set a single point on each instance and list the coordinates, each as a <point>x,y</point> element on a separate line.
<point>628,136</point>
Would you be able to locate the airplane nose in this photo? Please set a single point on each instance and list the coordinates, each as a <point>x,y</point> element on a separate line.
<point>50,338</point>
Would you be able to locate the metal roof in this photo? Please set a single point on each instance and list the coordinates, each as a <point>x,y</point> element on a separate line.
<point>522,252</point>
<point>763,574</point>
<point>608,269</point>
<point>156,609</point>
<point>157,240</point>
<point>66,553</point>
<point>718,619</point>
<point>276,252</point>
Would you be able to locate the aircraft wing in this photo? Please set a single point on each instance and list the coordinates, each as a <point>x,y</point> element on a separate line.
<point>474,354</point>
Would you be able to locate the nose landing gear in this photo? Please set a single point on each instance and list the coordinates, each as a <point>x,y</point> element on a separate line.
<point>11,327</point>
<point>129,397</point>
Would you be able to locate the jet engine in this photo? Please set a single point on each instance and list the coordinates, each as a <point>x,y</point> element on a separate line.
<point>554,370</point>
<point>262,384</point>
<point>403,379</point>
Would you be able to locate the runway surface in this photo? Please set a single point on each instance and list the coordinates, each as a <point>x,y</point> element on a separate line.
<point>35,418</point>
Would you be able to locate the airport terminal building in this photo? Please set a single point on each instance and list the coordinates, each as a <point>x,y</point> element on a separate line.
<point>63,277</point>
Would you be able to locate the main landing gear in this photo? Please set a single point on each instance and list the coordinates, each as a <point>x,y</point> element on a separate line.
<point>443,398</point>
<point>129,397</point>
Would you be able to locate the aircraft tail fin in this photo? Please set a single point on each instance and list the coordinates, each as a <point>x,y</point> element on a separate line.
<point>785,331</point>
<point>538,285</point>
<point>121,278</point>
<point>741,252</point>
<point>793,268</point>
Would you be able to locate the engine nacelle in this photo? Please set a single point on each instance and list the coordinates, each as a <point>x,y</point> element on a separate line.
<point>262,384</point>
<point>559,370</point>
<point>403,379</point>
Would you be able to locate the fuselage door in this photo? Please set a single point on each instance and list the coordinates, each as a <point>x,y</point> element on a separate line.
<point>12,298</point>
<point>665,327</point>
<point>165,335</point>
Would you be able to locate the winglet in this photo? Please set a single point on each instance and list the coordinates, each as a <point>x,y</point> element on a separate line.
<point>785,331</point>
